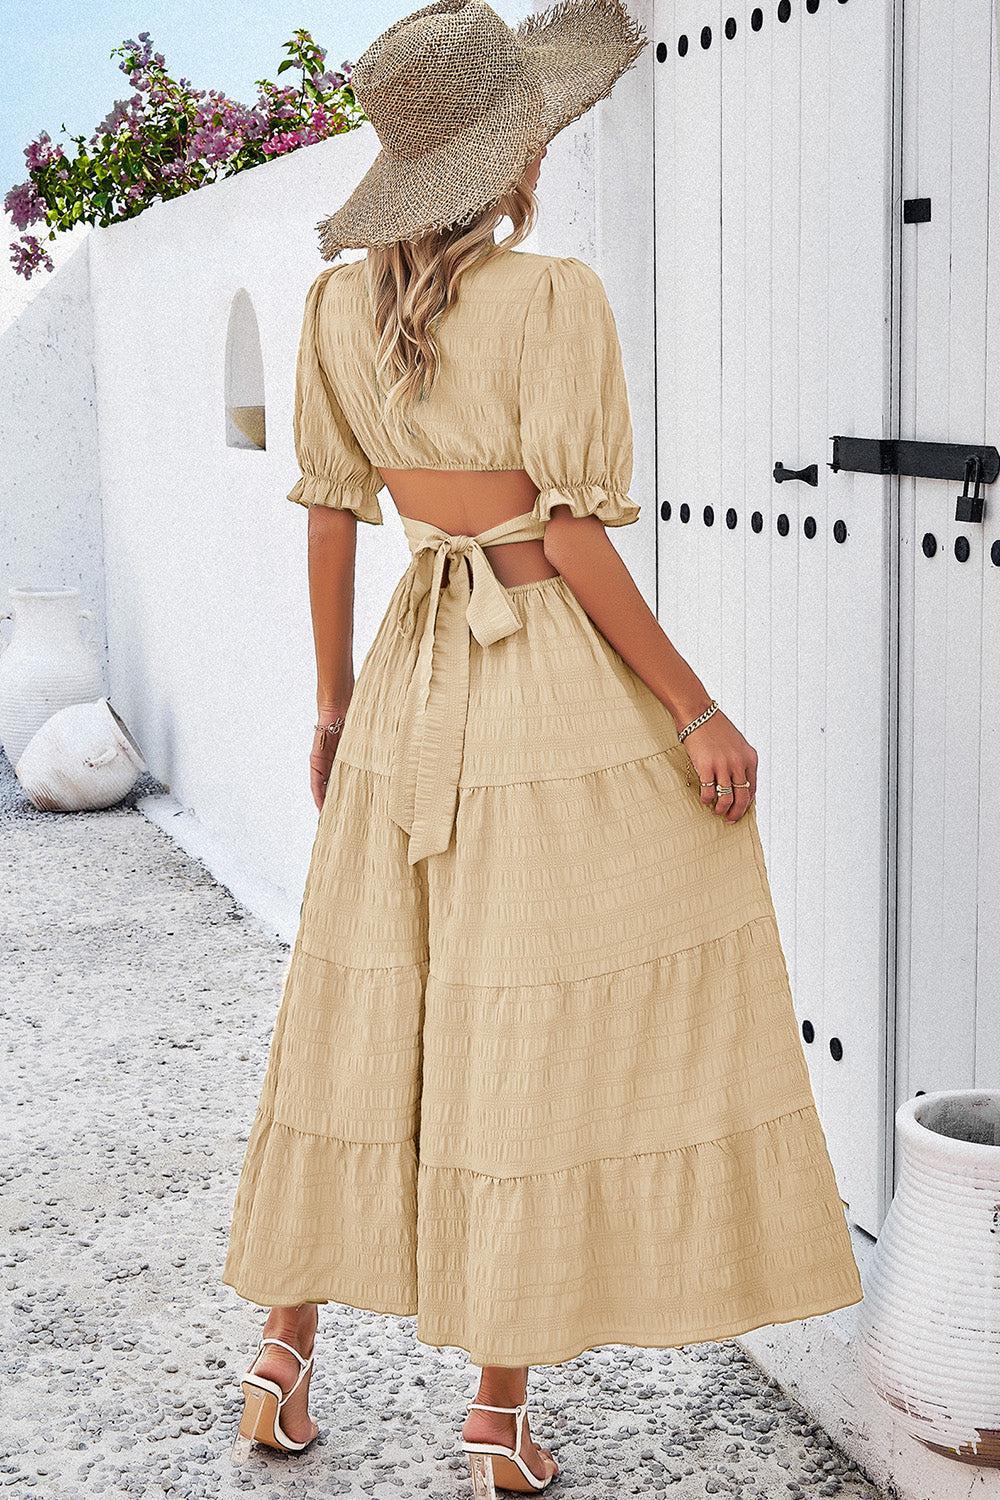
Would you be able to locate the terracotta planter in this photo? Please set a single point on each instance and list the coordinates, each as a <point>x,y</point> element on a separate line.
<point>929,1326</point>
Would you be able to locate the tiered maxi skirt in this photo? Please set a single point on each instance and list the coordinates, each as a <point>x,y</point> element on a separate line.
<point>542,1089</point>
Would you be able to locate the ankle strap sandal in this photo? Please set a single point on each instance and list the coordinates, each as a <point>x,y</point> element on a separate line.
<point>494,1465</point>
<point>264,1400</point>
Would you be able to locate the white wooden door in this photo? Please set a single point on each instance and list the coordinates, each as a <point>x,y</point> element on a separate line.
<point>774,157</point>
<point>949,804</point>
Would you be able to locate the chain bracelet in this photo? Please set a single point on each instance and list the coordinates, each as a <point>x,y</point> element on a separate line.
<point>333,728</point>
<point>710,710</point>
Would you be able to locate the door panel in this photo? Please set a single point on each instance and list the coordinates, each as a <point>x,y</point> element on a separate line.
<point>688,313</point>
<point>950,615</point>
<point>988,945</point>
<point>774,300</point>
<point>808,398</point>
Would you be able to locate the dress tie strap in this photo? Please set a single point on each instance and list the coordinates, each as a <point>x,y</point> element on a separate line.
<point>430,740</point>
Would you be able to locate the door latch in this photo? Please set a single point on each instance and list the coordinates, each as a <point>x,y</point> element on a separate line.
<point>974,464</point>
<point>809,474</point>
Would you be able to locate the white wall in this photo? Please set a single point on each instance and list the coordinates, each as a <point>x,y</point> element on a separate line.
<point>50,516</point>
<point>567,222</point>
<point>595,193</point>
<point>622,193</point>
<point>208,619</point>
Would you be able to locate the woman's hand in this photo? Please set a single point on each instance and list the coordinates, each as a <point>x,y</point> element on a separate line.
<point>580,550</point>
<point>325,742</point>
<point>720,754</point>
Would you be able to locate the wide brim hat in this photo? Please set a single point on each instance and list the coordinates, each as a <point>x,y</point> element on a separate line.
<point>461,103</point>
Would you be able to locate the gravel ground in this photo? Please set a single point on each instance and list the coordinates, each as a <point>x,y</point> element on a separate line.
<point>137,1005</point>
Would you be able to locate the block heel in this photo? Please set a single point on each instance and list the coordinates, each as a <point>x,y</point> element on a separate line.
<point>263,1401</point>
<point>495,1467</point>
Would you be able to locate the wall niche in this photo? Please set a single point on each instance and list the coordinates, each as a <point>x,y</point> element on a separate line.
<point>245,420</point>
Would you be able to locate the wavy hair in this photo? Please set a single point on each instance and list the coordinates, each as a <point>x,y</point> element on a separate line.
<point>412,283</point>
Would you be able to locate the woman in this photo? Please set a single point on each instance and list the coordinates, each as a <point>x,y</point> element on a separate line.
<point>536,1077</point>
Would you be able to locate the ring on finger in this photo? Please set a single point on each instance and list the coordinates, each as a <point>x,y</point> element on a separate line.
<point>723,791</point>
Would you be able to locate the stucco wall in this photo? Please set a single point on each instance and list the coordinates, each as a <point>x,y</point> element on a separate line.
<point>50,513</point>
<point>620,187</point>
<point>595,203</point>
<point>208,619</point>
<point>595,192</point>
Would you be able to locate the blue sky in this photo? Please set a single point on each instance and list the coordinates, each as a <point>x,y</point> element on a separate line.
<point>55,62</point>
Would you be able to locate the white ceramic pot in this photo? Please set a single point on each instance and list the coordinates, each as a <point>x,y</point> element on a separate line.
<point>46,666</point>
<point>929,1326</point>
<point>82,758</point>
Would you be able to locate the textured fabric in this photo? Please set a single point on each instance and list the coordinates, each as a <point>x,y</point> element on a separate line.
<point>544,1089</point>
<point>464,596</point>
<point>536,1077</point>
<point>531,377</point>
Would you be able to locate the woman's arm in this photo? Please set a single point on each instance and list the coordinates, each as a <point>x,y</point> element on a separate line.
<point>332,548</point>
<point>579,548</point>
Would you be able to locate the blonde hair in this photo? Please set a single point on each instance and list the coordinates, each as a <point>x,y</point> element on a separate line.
<point>412,283</point>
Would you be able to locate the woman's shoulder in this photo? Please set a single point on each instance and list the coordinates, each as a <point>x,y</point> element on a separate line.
<point>343,275</point>
<point>562,289</point>
<point>323,289</point>
<point>526,264</point>
<point>547,286</point>
<point>514,278</point>
<point>533,266</point>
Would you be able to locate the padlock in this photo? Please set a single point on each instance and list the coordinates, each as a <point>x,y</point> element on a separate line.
<point>970,507</point>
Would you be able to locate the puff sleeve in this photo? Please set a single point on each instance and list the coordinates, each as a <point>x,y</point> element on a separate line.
<point>576,426</point>
<point>335,470</point>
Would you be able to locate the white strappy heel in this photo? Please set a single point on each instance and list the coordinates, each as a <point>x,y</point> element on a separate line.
<point>264,1399</point>
<point>492,1464</point>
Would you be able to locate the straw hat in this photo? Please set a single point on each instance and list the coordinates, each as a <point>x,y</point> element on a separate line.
<point>461,102</point>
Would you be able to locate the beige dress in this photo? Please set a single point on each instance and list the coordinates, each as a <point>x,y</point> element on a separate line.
<point>536,1077</point>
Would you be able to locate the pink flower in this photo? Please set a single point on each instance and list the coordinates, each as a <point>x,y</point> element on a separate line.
<point>28,256</point>
<point>41,153</point>
<point>24,205</point>
<point>121,113</point>
<point>282,143</point>
<point>212,144</point>
<point>166,137</point>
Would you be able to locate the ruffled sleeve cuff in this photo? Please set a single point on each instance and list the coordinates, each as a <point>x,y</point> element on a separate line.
<point>315,489</point>
<point>612,506</point>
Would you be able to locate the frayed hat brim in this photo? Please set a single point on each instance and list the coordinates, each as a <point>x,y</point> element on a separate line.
<point>571,56</point>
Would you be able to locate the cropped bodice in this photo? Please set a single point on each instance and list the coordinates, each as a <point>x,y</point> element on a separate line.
<point>530,377</point>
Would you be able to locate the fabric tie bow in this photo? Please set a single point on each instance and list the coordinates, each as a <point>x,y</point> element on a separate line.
<point>430,741</point>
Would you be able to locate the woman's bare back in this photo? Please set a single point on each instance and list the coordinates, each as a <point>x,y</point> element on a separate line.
<point>465,502</point>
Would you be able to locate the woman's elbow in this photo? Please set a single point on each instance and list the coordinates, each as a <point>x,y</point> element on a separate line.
<point>569,539</point>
